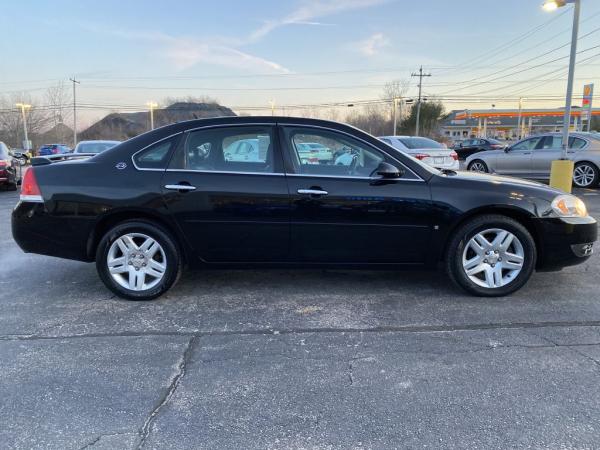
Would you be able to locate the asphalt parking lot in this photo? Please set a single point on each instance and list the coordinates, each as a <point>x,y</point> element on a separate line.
<point>295,359</point>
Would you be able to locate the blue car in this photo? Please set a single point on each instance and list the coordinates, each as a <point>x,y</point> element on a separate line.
<point>53,149</point>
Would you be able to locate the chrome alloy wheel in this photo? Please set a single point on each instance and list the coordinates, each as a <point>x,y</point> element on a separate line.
<point>493,258</point>
<point>583,175</point>
<point>477,167</point>
<point>136,262</point>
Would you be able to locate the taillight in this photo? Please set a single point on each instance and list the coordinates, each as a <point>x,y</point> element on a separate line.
<point>421,156</point>
<point>3,164</point>
<point>496,146</point>
<point>454,156</point>
<point>30,191</point>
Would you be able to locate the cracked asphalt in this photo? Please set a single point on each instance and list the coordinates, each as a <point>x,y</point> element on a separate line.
<point>295,359</point>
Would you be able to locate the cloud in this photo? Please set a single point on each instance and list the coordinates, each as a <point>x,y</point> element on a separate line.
<point>372,45</point>
<point>311,10</point>
<point>184,52</point>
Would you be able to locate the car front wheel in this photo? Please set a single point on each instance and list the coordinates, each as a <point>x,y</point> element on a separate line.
<point>138,260</point>
<point>585,175</point>
<point>491,256</point>
<point>478,166</point>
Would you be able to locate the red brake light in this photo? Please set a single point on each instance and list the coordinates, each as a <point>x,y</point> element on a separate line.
<point>454,156</point>
<point>421,156</point>
<point>30,191</point>
<point>3,164</point>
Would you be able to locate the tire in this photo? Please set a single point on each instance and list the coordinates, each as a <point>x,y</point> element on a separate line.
<point>139,273</point>
<point>499,268</point>
<point>585,175</point>
<point>473,166</point>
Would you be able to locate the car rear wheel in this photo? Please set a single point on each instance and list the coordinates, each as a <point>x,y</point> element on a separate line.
<point>585,175</point>
<point>138,260</point>
<point>478,166</point>
<point>491,256</point>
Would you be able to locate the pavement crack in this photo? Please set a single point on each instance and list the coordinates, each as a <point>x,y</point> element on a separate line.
<point>351,373</point>
<point>100,436</point>
<point>174,383</point>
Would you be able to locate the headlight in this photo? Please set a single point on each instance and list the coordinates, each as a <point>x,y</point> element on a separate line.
<point>569,206</point>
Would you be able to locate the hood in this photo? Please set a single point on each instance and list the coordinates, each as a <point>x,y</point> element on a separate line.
<point>503,180</point>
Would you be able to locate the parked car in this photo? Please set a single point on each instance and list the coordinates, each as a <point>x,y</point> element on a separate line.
<point>168,199</point>
<point>532,158</point>
<point>53,149</point>
<point>426,150</point>
<point>469,147</point>
<point>315,153</point>
<point>94,146</point>
<point>8,172</point>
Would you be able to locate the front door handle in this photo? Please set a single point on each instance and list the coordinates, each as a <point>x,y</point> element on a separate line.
<point>312,192</point>
<point>180,187</point>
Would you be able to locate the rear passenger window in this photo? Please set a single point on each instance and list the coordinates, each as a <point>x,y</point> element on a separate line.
<point>576,143</point>
<point>156,156</point>
<point>228,149</point>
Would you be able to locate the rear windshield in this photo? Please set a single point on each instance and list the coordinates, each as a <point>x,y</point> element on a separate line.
<point>94,147</point>
<point>3,151</point>
<point>414,143</point>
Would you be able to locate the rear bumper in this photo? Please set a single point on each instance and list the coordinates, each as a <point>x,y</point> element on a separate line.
<point>37,231</point>
<point>565,242</point>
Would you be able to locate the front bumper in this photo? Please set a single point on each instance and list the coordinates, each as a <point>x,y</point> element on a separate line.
<point>565,242</point>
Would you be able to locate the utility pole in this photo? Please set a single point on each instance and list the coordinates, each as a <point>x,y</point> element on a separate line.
<point>272,103</point>
<point>520,118</point>
<point>75,83</point>
<point>152,105</point>
<point>23,107</point>
<point>420,75</point>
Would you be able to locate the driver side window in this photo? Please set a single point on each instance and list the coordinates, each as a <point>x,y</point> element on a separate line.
<point>323,152</point>
<point>528,144</point>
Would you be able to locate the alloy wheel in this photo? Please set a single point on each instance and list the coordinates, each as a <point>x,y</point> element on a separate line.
<point>136,262</point>
<point>583,175</point>
<point>477,167</point>
<point>493,258</point>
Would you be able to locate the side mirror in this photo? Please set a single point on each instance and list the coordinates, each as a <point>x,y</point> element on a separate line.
<point>388,171</point>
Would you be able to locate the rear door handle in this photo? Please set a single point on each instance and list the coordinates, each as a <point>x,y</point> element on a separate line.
<point>180,187</point>
<point>312,192</point>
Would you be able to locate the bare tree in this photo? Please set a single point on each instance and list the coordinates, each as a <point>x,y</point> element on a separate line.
<point>60,103</point>
<point>11,125</point>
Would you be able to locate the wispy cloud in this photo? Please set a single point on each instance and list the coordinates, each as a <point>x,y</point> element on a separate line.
<point>186,52</point>
<point>372,45</point>
<point>311,10</point>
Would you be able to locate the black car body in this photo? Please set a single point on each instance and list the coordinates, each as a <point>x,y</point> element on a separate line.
<point>469,147</point>
<point>9,177</point>
<point>385,210</point>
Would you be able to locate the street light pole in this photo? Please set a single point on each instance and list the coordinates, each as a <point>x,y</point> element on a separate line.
<point>75,83</point>
<point>24,106</point>
<point>567,119</point>
<point>561,174</point>
<point>152,105</point>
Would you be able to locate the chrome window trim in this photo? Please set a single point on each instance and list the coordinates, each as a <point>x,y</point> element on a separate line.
<point>333,130</point>
<point>225,172</point>
<point>148,146</point>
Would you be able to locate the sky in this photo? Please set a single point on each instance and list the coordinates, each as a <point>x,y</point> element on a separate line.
<point>294,52</point>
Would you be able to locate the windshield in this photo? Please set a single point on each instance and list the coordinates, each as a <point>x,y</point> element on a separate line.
<point>414,143</point>
<point>94,147</point>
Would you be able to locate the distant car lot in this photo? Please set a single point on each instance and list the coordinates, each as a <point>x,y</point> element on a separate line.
<point>276,359</point>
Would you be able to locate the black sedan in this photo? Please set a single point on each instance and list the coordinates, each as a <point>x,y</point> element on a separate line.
<point>177,196</point>
<point>469,147</point>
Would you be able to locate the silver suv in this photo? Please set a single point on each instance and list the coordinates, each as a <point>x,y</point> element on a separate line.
<point>532,158</point>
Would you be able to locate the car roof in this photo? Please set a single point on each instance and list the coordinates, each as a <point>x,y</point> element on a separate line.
<point>99,141</point>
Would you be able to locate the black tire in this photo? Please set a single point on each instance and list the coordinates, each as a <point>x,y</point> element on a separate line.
<point>460,238</point>
<point>173,257</point>
<point>590,169</point>
<point>478,161</point>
